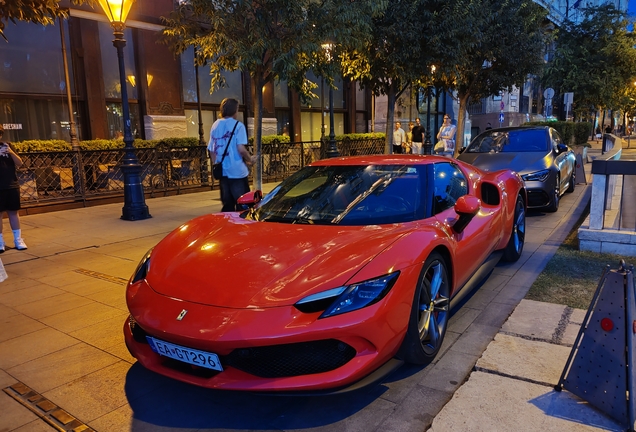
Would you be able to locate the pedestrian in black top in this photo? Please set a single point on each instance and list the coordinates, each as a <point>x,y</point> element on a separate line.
<point>417,135</point>
<point>10,192</point>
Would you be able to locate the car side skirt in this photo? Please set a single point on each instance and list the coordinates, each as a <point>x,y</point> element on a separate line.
<point>477,277</point>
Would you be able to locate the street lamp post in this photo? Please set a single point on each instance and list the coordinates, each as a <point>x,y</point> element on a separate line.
<point>428,146</point>
<point>135,207</point>
<point>332,150</point>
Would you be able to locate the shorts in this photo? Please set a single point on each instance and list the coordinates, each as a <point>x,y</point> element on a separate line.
<point>9,200</point>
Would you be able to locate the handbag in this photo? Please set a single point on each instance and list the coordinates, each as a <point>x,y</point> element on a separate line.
<point>440,146</point>
<point>217,168</point>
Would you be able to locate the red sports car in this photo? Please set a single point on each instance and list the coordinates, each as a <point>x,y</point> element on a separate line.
<point>344,271</point>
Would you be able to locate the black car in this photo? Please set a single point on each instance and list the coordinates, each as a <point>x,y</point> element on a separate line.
<point>537,153</point>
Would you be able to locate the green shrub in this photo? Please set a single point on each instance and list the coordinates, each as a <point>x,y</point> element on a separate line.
<point>32,146</point>
<point>267,139</point>
<point>360,136</point>
<point>41,146</point>
<point>571,133</point>
<point>582,133</point>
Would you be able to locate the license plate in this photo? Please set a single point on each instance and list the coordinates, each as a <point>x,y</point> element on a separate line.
<point>186,355</point>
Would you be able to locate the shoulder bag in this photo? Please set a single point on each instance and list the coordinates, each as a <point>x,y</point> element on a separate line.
<point>217,168</point>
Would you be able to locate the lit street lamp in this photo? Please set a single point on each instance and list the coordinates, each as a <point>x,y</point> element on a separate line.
<point>135,207</point>
<point>332,150</point>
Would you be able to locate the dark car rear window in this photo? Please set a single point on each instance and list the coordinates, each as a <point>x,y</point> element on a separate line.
<point>514,141</point>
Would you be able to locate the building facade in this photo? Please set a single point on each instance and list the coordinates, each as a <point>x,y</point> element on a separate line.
<point>161,86</point>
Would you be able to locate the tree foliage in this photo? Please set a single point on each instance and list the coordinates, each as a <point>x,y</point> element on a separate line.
<point>272,40</point>
<point>489,46</point>
<point>595,59</point>
<point>35,11</point>
<point>398,53</point>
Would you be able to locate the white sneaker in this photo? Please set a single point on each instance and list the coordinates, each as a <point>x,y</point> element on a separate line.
<point>1,246</point>
<point>20,244</point>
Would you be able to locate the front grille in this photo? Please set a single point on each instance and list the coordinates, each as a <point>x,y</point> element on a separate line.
<point>538,198</point>
<point>288,360</point>
<point>138,333</point>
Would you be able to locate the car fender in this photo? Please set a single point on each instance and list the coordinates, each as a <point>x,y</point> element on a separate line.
<point>510,185</point>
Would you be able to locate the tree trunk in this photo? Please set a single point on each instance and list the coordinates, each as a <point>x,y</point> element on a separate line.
<point>461,123</point>
<point>257,91</point>
<point>389,119</point>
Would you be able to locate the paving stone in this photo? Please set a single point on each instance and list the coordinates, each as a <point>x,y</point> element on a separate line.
<point>22,349</point>
<point>84,359</point>
<point>34,426</point>
<point>417,411</point>
<point>480,299</point>
<point>495,314</point>
<point>28,295</point>
<point>450,371</point>
<point>490,402</point>
<point>534,319</point>
<point>17,325</point>
<point>83,316</point>
<point>475,339</point>
<point>461,319</point>
<point>533,360</point>
<point>53,305</point>
<point>14,415</point>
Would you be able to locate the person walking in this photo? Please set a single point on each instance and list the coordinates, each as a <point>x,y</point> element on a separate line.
<point>417,133</point>
<point>447,135</point>
<point>399,138</point>
<point>10,192</point>
<point>228,139</point>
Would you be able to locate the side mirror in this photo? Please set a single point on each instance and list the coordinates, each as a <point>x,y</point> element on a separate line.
<point>462,150</point>
<point>466,207</point>
<point>250,199</point>
<point>561,148</point>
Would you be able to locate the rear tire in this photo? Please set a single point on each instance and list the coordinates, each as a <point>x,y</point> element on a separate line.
<point>429,313</point>
<point>518,235</point>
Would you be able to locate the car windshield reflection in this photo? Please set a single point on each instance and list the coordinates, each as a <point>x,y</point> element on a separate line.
<point>346,195</point>
<point>514,141</point>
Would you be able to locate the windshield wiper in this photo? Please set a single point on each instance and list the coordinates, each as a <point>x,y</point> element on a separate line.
<point>383,181</point>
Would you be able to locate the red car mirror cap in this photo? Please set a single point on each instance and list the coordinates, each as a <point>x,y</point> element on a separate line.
<point>468,205</point>
<point>251,198</point>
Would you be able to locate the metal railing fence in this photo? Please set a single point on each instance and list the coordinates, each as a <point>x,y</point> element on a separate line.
<point>67,176</point>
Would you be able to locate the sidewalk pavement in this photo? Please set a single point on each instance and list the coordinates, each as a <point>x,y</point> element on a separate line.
<point>63,307</point>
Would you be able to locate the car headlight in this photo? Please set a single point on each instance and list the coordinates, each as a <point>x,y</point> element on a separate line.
<point>537,176</point>
<point>349,298</point>
<point>142,269</point>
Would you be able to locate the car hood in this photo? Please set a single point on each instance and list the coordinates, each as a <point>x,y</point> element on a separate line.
<point>522,163</point>
<point>223,260</point>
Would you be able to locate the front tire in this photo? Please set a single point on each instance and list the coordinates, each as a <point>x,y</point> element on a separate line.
<point>429,313</point>
<point>554,204</point>
<point>518,235</point>
<point>572,181</point>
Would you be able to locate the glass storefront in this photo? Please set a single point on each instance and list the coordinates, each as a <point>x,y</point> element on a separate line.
<point>115,120</point>
<point>110,63</point>
<point>32,59</point>
<point>36,119</point>
<point>311,124</point>
<point>233,82</point>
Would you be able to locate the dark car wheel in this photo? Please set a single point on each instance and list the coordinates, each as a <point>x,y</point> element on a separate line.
<point>572,181</point>
<point>554,203</point>
<point>429,313</point>
<point>518,235</point>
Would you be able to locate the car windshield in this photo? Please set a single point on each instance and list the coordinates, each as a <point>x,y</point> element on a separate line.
<point>513,141</point>
<point>346,195</point>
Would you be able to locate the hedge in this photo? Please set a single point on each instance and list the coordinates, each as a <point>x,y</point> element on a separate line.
<point>32,146</point>
<point>571,133</point>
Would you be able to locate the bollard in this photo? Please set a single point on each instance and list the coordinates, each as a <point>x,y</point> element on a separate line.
<point>600,368</point>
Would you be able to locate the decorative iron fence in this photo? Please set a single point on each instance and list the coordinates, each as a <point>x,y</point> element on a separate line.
<point>68,176</point>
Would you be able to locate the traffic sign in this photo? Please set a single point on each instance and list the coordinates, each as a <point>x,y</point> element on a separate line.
<point>501,117</point>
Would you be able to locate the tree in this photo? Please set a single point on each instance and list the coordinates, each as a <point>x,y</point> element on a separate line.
<point>272,40</point>
<point>396,55</point>
<point>595,58</point>
<point>492,46</point>
<point>36,11</point>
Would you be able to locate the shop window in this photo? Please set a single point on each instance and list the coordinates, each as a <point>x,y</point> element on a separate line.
<point>32,60</point>
<point>361,97</point>
<point>37,119</point>
<point>233,82</point>
<point>311,124</point>
<point>110,63</point>
<point>115,122</point>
